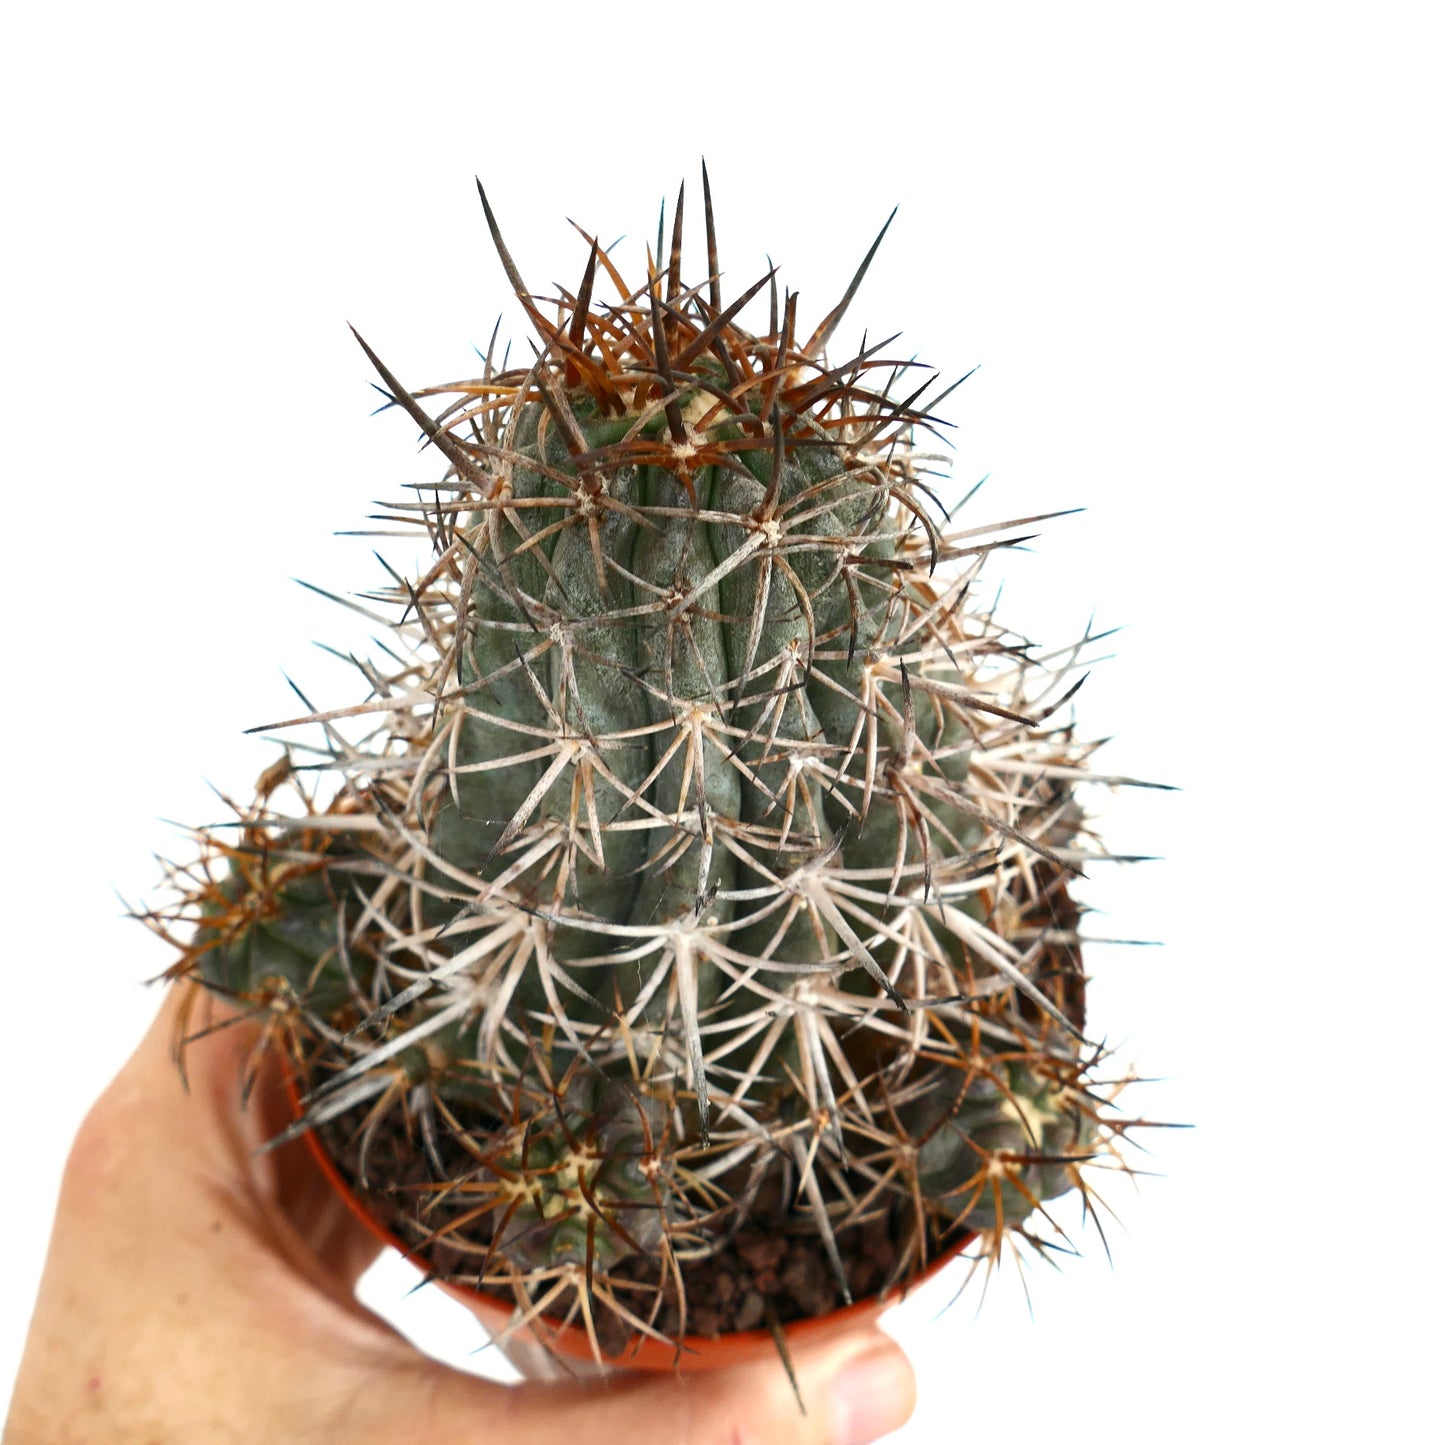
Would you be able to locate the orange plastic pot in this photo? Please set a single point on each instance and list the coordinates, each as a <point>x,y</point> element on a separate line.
<point>693,1353</point>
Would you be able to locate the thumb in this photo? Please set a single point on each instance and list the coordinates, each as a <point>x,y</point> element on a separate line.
<point>853,1390</point>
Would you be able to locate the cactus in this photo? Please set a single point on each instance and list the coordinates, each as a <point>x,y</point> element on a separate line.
<point>703,854</point>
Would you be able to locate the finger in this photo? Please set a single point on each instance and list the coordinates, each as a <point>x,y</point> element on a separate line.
<point>852,1391</point>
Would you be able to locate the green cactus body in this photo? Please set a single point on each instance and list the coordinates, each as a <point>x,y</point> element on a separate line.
<point>275,924</point>
<point>701,716</point>
<point>581,1186</point>
<point>1004,1147</point>
<point>700,786</point>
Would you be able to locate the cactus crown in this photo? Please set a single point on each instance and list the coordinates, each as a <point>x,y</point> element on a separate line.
<point>701,849</point>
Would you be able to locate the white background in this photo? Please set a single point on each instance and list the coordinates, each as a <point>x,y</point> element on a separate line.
<point>1195,250</point>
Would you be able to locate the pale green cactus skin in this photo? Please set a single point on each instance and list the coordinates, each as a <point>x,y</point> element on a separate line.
<point>705,827</point>
<point>643,682</point>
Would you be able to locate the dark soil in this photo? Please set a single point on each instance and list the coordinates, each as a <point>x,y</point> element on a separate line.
<point>776,1269</point>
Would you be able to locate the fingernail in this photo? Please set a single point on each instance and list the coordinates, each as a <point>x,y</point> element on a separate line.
<point>870,1396</point>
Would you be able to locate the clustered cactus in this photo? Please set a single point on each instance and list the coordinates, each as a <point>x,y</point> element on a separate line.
<point>701,852</point>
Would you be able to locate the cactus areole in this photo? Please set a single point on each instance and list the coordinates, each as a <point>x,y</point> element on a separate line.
<point>674,934</point>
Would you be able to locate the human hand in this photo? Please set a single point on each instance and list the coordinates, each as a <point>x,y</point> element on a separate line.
<point>197,1292</point>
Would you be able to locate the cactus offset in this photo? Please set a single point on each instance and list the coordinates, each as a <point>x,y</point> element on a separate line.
<point>703,843</point>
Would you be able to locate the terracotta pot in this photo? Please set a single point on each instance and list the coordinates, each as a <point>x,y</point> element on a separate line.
<point>534,1349</point>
